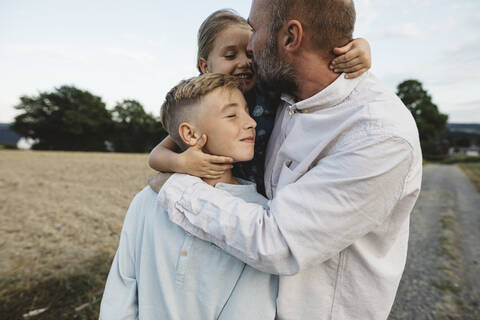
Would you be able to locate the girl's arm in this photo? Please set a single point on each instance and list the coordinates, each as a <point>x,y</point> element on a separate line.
<point>354,59</point>
<point>193,161</point>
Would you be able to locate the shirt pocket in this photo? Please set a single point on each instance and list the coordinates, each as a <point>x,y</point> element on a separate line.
<point>287,174</point>
<point>183,259</point>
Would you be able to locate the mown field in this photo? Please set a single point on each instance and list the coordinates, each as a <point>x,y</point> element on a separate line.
<point>61,216</point>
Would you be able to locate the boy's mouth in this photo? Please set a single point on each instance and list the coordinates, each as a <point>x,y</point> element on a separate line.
<point>250,139</point>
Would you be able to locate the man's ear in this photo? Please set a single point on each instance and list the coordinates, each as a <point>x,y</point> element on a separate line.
<point>188,133</point>
<point>292,36</point>
<point>203,64</point>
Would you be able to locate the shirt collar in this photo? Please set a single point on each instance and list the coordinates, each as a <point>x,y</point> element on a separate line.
<point>332,95</point>
<point>238,189</point>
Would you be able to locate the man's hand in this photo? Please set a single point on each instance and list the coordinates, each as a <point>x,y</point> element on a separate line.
<point>159,180</point>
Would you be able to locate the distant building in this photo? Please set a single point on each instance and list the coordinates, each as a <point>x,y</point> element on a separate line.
<point>473,151</point>
<point>8,137</point>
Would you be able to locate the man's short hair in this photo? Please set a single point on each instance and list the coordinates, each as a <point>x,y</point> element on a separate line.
<point>181,100</point>
<point>330,22</point>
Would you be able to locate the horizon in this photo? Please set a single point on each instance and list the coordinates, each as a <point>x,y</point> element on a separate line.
<point>119,50</point>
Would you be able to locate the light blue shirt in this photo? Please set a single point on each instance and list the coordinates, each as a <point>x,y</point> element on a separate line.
<point>163,272</point>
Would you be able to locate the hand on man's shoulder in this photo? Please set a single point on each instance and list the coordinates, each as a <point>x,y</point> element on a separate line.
<point>157,182</point>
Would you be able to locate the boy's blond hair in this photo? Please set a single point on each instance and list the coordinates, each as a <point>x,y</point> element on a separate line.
<point>180,101</point>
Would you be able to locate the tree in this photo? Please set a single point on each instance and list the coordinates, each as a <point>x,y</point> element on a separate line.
<point>431,123</point>
<point>134,129</point>
<point>65,119</point>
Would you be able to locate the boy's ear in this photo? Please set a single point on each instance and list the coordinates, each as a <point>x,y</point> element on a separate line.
<point>203,64</point>
<point>292,36</point>
<point>188,134</point>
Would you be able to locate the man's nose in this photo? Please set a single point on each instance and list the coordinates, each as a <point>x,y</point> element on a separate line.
<point>250,46</point>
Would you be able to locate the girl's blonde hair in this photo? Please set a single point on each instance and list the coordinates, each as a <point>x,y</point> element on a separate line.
<point>212,27</point>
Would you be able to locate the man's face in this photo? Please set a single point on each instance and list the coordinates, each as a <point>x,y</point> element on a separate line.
<point>273,70</point>
<point>230,130</point>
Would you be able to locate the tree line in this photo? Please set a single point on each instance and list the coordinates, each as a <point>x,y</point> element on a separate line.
<point>72,119</point>
<point>431,123</point>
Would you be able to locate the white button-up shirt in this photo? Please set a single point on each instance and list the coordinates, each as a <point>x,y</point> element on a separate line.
<point>343,172</point>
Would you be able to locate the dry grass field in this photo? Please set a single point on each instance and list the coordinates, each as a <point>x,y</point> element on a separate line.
<point>61,215</point>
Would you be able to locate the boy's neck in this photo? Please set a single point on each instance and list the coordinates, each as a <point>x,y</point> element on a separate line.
<point>225,178</point>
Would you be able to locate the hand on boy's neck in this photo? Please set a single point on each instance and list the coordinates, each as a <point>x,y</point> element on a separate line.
<point>197,156</point>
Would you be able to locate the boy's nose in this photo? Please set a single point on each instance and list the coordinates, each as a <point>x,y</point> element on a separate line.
<point>251,124</point>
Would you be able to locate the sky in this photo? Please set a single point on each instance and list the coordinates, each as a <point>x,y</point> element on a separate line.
<point>138,50</point>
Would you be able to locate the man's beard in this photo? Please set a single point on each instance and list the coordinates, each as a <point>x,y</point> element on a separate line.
<point>273,73</point>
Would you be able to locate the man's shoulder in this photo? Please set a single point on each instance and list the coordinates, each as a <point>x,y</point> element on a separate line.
<point>370,90</point>
<point>380,110</point>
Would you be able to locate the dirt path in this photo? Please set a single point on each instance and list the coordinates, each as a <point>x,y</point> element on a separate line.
<point>441,279</point>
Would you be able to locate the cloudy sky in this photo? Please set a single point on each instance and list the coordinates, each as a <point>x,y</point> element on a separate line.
<point>139,49</point>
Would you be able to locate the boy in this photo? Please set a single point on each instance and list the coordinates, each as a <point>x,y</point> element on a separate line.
<point>161,271</point>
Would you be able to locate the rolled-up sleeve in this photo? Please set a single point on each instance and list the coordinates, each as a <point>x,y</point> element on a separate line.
<point>344,196</point>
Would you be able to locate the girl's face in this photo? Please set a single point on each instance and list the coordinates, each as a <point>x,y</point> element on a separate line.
<point>230,56</point>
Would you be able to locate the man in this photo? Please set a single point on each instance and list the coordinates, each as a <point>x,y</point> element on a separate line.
<point>343,172</point>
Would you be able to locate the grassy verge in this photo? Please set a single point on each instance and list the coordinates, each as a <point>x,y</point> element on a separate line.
<point>450,282</point>
<point>460,159</point>
<point>75,295</point>
<point>472,170</point>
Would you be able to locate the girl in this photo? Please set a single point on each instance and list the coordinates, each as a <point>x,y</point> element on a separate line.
<point>222,48</point>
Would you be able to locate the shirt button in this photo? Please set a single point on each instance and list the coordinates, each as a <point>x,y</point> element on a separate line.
<point>184,253</point>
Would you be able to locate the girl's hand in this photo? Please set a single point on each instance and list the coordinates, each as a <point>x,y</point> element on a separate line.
<point>195,162</point>
<point>354,59</point>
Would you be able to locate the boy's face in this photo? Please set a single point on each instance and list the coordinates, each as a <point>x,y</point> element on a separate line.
<point>230,130</point>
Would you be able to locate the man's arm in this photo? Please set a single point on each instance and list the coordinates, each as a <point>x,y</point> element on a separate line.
<point>343,197</point>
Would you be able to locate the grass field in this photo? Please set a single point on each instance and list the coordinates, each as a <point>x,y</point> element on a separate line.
<point>473,172</point>
<point>62,213</point>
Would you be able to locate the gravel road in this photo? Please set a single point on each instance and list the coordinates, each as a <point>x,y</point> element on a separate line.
<point>442,275</point>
